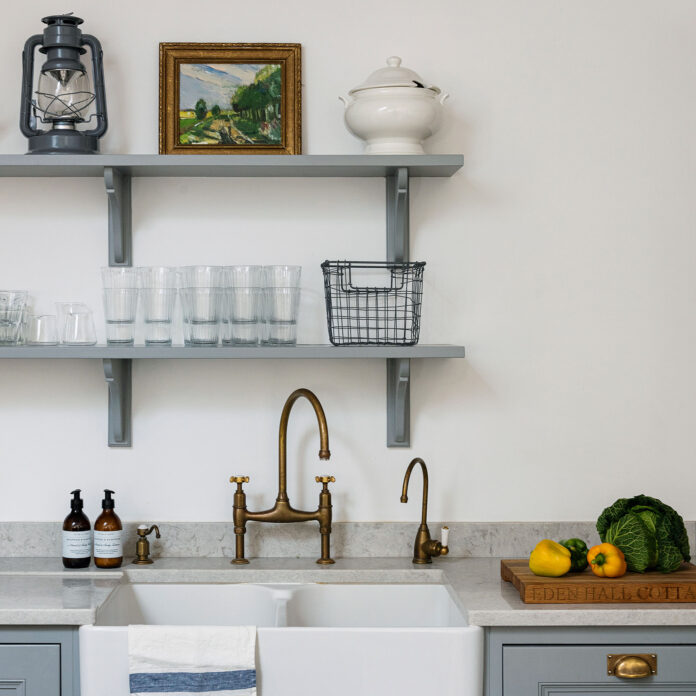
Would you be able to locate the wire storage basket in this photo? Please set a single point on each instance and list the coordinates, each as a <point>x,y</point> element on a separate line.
<point>373,302</point>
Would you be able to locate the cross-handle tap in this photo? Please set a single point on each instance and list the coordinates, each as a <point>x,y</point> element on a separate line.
<point>142,547</point>
<point>424,548</point>
<point>283,511</point>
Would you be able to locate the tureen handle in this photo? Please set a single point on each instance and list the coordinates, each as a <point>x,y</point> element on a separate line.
<point>346,101</point>
<point>444,97</point>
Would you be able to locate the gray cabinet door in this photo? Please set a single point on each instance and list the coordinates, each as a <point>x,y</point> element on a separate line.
<point>563,670</point>
<point>30,670</point>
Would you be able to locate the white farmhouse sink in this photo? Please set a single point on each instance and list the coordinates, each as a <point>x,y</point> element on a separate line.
<point>313,640</point>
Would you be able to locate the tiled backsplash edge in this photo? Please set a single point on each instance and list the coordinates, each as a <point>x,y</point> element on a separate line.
<point>348,539</point>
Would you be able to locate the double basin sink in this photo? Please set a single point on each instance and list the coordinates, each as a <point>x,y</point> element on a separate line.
<point>312,639</point>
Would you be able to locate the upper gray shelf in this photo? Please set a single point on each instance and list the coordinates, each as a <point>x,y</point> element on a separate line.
<point>308,351</point>
<point>230,165</point>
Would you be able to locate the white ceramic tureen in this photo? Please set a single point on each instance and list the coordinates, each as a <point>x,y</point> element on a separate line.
<point>393,111</point>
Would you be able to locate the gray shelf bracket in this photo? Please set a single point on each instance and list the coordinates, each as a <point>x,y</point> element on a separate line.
<point>398,369</point>
<point>118,192</point>
<point>397,216</point>
<point>118,373</point>
<point>398,402</point>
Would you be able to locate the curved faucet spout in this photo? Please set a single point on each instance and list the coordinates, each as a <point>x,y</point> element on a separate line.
<point>404,490</point>
<point>324,452</point>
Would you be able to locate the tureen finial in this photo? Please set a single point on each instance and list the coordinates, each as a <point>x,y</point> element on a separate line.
<point>394,61</point>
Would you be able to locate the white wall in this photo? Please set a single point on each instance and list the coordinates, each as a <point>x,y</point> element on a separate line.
<point>561,256</point>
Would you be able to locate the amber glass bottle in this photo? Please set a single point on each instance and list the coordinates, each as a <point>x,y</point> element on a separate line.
<point>108,545</point>
<point>77,537</point>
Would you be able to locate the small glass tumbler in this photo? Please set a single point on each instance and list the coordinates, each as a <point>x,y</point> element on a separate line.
<point>76,324</point>
<point>243,313</point>
<point>158,311</point>
<point>202,311</point>
<point>41,330</point>
<point>280,309</point>
<point>12,307</point>
<point>120,308</point>
<point>158,297</point>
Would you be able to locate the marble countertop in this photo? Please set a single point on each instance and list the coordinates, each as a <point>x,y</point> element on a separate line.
<point>39,591</point>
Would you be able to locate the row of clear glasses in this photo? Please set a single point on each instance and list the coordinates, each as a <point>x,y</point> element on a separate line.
<point>251,304</point>
<point>73,324</point>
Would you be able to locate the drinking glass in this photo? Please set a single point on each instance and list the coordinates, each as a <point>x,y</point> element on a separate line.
<point>243,313</point>
<point>76,324</point>
<point>280,308</point>
<point>201,309</point>
<point>41,330</point>
<point>158,295</point>
<point>120,303</point>
<point>120,308</point>
<point>282,276</point>
<point>12,306</point>
<point>242,304</point>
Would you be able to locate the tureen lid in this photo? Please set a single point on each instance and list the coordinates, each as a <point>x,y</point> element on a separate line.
<point>394,76</point>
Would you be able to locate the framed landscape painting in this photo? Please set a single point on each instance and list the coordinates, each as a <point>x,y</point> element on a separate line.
<point>230,99</point>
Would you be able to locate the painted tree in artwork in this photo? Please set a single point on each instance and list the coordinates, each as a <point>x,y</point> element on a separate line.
<point>261,99</point>
<point>201,109</point>
<point>215,111</point>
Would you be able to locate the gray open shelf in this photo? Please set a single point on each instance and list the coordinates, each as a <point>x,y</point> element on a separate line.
<point>307,351</point>
<point>230,165</point>
<point>118,171</point>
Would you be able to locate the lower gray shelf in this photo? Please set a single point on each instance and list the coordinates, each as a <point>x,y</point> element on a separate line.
<point>118,360</point>
<point>308,351</point>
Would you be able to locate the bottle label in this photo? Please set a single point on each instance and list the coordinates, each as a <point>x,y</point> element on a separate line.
<point>108,544</point>
<point>77,544</point>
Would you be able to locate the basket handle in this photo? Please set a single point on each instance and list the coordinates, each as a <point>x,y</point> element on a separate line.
<point>347,285</point>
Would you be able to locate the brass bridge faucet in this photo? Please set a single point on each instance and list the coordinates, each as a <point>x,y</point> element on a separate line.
<point>424,548</point>
<point>282,511</point>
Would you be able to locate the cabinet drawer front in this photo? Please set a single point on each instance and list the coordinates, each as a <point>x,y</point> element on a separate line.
<point>29,670</point>
<point>582,669</point>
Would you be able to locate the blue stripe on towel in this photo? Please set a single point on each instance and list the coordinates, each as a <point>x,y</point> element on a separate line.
<point>191,682</point>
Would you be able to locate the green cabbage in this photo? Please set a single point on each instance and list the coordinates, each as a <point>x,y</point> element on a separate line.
<point>650,534</point>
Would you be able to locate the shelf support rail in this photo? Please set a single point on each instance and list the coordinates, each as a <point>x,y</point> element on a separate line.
<point>398,369</point>
<point>118,192</point>
<point>118,374</point>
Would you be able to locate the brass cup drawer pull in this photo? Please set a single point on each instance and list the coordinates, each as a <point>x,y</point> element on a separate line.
<point>632,666</point>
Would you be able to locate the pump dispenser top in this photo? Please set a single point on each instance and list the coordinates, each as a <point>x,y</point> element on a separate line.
<point>76,504</point>
<point>108,501</point>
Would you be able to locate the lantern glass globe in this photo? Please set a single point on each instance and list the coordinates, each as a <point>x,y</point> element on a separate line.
<point>64,94</point>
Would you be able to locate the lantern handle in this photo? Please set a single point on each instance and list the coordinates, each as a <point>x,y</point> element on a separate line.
<point>98,73</point>
<point>27,79</point>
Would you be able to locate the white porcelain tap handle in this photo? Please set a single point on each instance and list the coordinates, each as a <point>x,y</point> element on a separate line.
<point>445,536</point>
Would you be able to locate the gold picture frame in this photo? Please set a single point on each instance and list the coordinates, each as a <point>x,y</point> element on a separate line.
<point>246,99</point>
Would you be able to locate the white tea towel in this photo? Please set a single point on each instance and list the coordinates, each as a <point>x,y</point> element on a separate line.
<point>202,660</point>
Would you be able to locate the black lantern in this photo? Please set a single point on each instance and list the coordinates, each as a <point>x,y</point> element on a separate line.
<point>64,92</point>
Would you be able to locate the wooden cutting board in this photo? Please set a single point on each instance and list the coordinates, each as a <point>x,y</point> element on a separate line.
<point>587,588</point>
